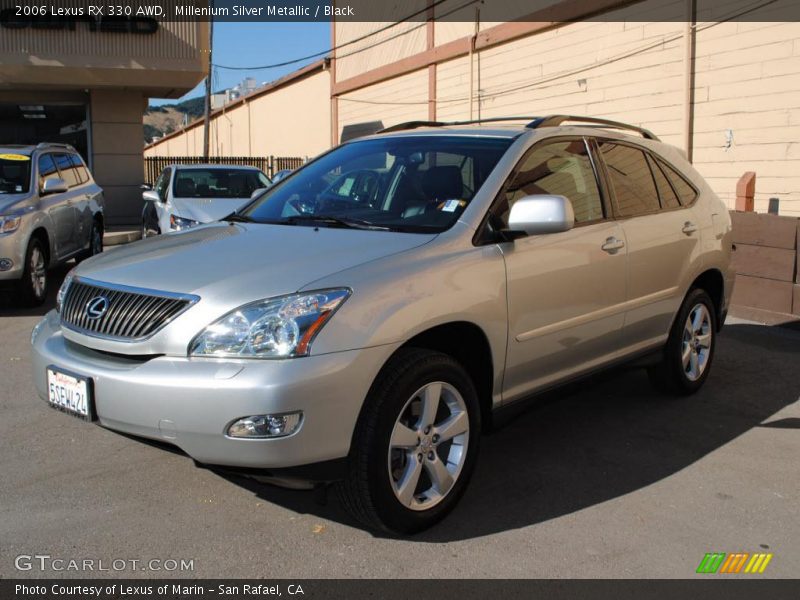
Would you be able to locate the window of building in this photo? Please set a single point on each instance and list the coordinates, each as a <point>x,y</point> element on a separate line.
<point>559,168</point>
<point>634,187</point>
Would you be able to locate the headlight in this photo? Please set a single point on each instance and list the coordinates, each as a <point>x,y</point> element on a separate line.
<point>9,224</point>
<point>177,223</point>
<point>62,291</point>
<point>279,327</point>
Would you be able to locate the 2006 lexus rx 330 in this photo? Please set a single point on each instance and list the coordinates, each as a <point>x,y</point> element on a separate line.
<point>363,320</point>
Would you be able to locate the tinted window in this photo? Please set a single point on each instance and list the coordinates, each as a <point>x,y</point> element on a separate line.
<point>560,168</point>
<point>631,179</point>
<point>80,169</point>
<point>686,193</point>
<point>665,192</point>
<point>67,169</point>
<point>162,184</point>
<point>15,173</point>
<point>411,183</point>
<point>47,168</point>
<point>216,183</point>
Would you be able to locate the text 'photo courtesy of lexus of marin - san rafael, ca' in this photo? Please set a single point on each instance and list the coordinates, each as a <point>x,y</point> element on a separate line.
<point>364,320</point>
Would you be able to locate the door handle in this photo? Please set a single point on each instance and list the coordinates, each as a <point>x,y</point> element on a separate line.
<point>689,228</point>
<point>612,244</point>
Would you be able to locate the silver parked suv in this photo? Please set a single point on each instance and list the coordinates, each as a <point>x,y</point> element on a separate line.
<point>364,320</point>
<point>51,210</point>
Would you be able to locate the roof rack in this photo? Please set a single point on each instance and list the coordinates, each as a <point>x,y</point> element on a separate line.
<point>556,120</point>
<point>534,123</point>
<point>417,124</point>
<point>54,145</point>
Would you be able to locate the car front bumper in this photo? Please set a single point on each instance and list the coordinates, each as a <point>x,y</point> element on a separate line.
<point>190,402</point>
<point>11,249</point>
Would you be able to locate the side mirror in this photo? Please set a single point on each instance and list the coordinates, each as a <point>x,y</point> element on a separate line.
<point>541,213</point>
<point>54,185</point>
<point>151,196</point>
<point>145,186</point>
<point>257,193</point>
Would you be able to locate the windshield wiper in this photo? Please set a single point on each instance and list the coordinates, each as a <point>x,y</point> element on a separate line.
<point>237,218</point>
<point>340,221</point>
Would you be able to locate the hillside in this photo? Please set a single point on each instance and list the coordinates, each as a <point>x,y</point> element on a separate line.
<point>164,119</point>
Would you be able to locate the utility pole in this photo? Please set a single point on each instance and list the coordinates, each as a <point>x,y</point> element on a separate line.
<point>207,107</point>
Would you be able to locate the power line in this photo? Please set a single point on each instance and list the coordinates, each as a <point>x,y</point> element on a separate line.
<point>354,41</point>
<point>557,76</point>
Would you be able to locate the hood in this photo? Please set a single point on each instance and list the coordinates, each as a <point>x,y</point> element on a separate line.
<point>8,201</point>
<point>206,210</point>
<point>234,263</point>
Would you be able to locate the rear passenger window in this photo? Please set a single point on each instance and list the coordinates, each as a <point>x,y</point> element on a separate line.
<point>631,178</point>
<point>669,198</point>
<point>47,168</point>
<point>560,168</point>
<point>80,169</point>
<point>67,169</point>
<point>686,193</point>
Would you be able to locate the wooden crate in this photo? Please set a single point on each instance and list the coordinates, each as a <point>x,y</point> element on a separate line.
<point>758,229</point>
<point>765,294</point>
<point>761,261</point>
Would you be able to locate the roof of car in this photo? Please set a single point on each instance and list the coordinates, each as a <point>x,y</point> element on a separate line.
<point>31,148</point>
<point>212,166</point>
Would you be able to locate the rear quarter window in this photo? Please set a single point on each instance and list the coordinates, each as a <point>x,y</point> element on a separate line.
<point>686,192</point>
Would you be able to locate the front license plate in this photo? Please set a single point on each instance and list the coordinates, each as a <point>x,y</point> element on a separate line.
<point>69,392</point>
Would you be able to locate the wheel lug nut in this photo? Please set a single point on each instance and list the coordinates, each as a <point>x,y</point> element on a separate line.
<point>419,457</point>
<point>418,441</point>
<point>427,430</point>
<point>435,438</point>
<point>430,455</point>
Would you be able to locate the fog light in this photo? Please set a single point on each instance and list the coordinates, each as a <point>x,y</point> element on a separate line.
<point>266,426</point>
<point>6,264</point>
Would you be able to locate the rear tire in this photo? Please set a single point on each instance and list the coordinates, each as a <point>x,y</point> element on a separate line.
<point>415,444</point>
<point>34,283</point>
<point>689,351</point>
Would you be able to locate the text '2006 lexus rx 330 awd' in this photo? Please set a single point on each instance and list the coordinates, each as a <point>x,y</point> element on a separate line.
<point>362,321</point>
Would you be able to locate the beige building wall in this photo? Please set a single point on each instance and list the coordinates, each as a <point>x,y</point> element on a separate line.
<point>292,118</point>
<point>745,114</point>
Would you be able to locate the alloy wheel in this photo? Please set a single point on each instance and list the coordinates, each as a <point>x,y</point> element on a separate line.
<point>428,446</point>
<point>696,346</point>
<point>38,272</point>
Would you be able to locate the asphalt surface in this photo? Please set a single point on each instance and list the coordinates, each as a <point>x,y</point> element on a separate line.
<point>608,479</point>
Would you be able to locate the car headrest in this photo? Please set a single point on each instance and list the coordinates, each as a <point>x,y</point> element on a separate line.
<point>443,183</point>
<point>184,187</point>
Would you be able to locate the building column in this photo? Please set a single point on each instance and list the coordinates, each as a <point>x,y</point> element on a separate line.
<point>117,145</point>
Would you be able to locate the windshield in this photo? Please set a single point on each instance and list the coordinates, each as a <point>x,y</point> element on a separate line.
<point>15,173</point>
<point>416,184</point>
<point>218,183</point>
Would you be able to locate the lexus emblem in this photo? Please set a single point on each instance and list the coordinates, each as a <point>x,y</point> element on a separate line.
<point>96,307</point>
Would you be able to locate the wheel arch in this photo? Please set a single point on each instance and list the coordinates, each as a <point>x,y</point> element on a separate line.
<point>467,343</point>
<point>713,283</point>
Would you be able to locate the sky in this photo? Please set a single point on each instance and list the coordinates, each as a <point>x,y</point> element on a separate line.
<point>255,44</point>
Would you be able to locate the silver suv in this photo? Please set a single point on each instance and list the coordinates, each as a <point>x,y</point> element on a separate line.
<point>51,210</point>
<point>366,319</point>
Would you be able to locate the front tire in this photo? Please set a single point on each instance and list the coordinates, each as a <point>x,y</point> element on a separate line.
<point>689,352</point>
<point>95,243</point>
<point>415,444</point>
<point>34,282</point>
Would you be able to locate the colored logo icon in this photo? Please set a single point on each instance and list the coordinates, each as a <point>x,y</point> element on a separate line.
<point>737,562</point>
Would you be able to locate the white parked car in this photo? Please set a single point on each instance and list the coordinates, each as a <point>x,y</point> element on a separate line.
<point>188,195</point>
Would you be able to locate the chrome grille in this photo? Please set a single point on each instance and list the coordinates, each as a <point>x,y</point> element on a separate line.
<point>131,313</point>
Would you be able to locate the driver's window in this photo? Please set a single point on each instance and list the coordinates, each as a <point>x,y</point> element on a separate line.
<point>560,168</point>
<point>47,168</point>
<point>162,184</point>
